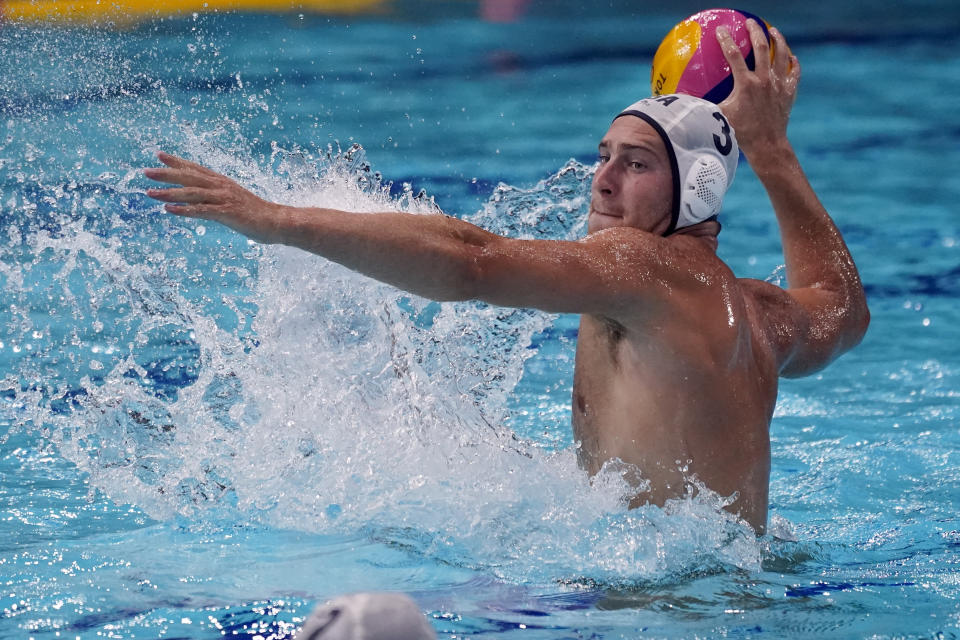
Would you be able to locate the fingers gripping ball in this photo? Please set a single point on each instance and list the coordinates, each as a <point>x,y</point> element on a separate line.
<point>690,61</point>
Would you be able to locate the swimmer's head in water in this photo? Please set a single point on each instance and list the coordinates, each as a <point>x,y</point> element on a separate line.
<point>702,151</point>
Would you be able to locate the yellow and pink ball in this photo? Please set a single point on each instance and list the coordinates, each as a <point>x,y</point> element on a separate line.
<point>690,61</point>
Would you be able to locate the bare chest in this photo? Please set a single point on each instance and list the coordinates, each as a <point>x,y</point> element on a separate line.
<point>661,396</point>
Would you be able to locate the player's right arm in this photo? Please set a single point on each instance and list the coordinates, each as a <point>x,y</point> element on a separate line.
<point>825,311</point>
<point>624,273</point>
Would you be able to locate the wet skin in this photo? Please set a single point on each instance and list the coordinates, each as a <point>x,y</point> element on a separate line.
<point>677,359</point>
<point>685,385</point>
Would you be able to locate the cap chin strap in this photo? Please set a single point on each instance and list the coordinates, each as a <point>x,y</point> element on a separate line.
<point>712,218</point>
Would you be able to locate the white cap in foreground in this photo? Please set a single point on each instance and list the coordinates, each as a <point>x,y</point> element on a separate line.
<point>367,616</point>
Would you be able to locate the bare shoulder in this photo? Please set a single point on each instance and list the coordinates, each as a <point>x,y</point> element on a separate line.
<point>677,260</point>
<point>808,327</point>
<point>777,317</point>
<point>775,303</point>
<point>681,278</point>
<point>680,275</point>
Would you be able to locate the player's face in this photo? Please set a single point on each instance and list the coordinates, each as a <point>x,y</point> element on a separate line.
<point>633,185</point>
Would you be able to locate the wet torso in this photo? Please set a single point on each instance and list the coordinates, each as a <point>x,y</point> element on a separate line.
<point>682,394</point>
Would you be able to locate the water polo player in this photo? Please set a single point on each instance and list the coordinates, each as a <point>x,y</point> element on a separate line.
<point>677,360</point>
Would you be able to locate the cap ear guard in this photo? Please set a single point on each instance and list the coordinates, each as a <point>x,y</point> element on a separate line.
<point>702,191</point>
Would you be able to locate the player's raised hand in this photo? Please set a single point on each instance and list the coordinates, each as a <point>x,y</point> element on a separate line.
<point>760,103</point>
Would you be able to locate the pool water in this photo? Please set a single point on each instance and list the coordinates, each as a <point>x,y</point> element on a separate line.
<point>202,437</point>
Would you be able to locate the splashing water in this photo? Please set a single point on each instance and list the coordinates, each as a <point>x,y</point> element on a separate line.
<point>241,395</point>
<point>193,374</point>
<point>196,375</point>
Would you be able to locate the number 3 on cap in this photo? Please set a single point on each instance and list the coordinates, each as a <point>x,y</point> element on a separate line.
<point>726,144</point>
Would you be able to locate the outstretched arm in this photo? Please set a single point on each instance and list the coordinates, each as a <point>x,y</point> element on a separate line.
<point>827,308</point>
<point>436,256</point>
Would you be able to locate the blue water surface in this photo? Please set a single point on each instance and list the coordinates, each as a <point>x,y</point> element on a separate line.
<point>202,437</point>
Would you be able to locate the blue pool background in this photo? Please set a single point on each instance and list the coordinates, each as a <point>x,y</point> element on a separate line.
<point>141,353</point>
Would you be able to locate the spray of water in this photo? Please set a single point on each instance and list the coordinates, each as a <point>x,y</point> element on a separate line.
<point>203,377</point>
<point>196,375</point>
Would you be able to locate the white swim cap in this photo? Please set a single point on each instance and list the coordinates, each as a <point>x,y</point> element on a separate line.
<point>702,149</point>
<point>367,616</point>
